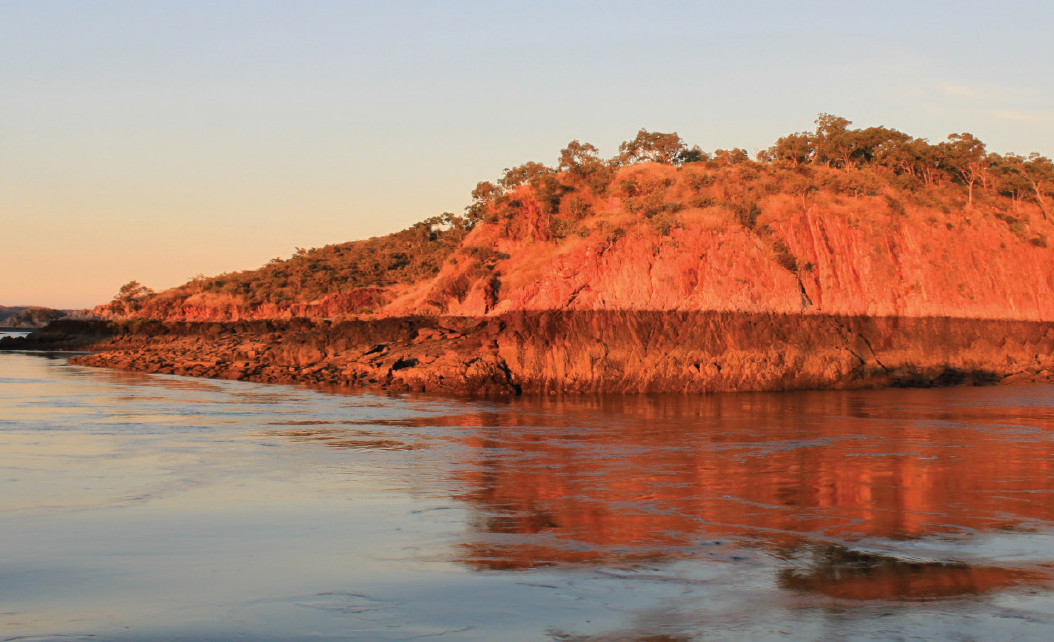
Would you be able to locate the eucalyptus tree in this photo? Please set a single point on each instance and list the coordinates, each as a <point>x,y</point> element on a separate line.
<point>582,164</point>
<point>1039,170</point>
<point>651,146</point>
<point>965,156</point>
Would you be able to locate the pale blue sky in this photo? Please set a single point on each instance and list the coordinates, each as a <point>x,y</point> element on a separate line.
<point>155,140</point>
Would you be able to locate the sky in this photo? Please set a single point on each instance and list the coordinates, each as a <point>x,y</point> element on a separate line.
<point>159,140</point>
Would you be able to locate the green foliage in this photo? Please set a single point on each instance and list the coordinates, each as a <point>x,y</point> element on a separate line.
<point>895,206</point>
<point>651,146</point>
<point>646,205</point>
<point>838,146</point>
<point>561,228</point>
<point>746,213</point>
<point>1009,177</point>
<point>702,201</point>
<point>643,194</point>
<point>696,180</point>
<point>784,256</point>
<point>693,155</point>
<point>528,173</point>
<point>487,256</point>
<point>860,183</point>
<point>664,222</point>
<point>577,208</point>
<point>731,157</point>
<point>131,297</point>
<point>1014,223</point>
<point>1040,174</point>
<point>966,159</point>
<point>612,234</point>
<point>582,165</point>
<point>407,256</point>
<point>133,291</point>
<point>549,191</point>
<point>795,149</point>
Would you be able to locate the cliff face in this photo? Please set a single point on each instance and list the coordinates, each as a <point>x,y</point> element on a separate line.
<point>712,239</point>
<point>833,254</point>
<point>873,265</point>
<point>588,352</point>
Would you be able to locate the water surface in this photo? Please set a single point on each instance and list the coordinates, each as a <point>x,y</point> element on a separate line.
<point>151,507</point>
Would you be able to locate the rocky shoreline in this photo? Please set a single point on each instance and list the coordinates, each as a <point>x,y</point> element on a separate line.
<point>573,352</point>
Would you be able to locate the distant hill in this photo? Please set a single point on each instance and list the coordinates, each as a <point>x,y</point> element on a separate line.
<point>840,221</point>
<point>28,316</point>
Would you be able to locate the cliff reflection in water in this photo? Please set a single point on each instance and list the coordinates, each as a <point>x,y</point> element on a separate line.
<point>804,479</point>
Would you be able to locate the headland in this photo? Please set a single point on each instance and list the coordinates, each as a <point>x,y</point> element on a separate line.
<point>837,258</point>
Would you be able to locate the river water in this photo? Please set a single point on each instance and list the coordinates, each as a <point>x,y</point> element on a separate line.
<point>151,507</point>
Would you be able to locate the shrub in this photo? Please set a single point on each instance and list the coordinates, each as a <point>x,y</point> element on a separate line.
<point>784,256</point>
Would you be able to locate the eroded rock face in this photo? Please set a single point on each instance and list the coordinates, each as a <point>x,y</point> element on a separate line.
<point>855,263</point>
<point>831,254</point>
<point>592,352</point>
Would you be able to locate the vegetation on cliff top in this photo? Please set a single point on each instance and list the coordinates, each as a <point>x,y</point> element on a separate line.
<point>407,256</point>
<point>653,186</point>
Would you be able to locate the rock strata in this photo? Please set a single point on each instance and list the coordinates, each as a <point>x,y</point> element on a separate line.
<point>576,352</point>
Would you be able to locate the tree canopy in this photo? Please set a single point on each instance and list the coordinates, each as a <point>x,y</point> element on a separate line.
<point>651,146</point>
